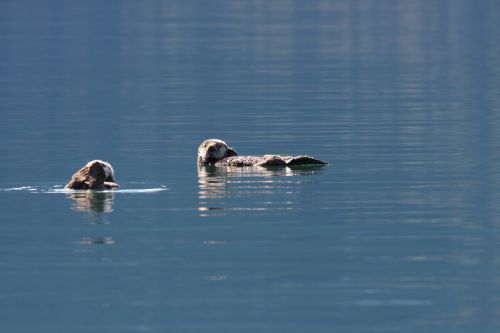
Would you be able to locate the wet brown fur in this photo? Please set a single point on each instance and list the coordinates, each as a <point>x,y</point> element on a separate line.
<point>92,176</point>
<point>216,152</point>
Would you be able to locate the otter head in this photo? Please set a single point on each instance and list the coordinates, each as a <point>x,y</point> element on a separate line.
<point>100,172</point>
<point>104,169</point>
<point>212,150</point>
<point>110,172</point>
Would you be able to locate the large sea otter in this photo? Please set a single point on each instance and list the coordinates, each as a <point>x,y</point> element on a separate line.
<point>95,175</point>
<point>216,152</point>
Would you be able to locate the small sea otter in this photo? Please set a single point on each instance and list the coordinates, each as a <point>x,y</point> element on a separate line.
<point>95,175</point>
<point>216,152</point>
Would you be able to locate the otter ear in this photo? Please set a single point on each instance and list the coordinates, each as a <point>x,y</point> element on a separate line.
<point>231,152</point>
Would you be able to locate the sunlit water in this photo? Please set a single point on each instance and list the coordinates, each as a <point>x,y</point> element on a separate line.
<point>399,233</point>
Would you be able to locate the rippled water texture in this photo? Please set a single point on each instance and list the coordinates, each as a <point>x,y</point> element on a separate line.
<point>398,233</point>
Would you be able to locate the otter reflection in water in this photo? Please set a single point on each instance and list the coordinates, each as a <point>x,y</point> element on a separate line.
<point>92,201</point>
<point>229,188</point>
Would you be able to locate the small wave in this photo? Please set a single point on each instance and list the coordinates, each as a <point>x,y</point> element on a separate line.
<point>20,188</point>
<point>128,190</point>
<point>140,190</point>
<point>60,189</point>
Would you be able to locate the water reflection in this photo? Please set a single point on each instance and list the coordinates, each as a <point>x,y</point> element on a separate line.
<point>96,205</point>
<point>96,241</point>
<point>92,201</point>
<point>221,189</point>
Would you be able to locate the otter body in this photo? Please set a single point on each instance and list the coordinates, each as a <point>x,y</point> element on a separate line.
<point>95,175</point>
<point>216,152</point>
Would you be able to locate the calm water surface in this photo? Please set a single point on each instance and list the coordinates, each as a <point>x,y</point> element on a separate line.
<point>399,233</point>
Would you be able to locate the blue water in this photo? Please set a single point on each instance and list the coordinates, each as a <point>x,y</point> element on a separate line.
<point>399,233</point>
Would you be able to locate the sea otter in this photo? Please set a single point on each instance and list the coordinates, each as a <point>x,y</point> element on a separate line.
<point>216,152</point>
<point>95,175</point>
